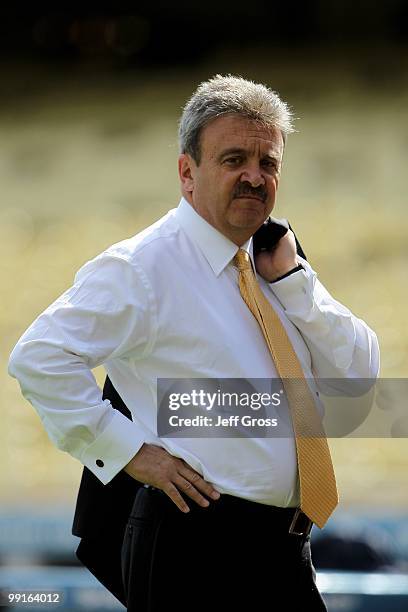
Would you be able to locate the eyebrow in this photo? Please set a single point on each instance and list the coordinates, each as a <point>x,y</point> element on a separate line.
<point>239,151</point>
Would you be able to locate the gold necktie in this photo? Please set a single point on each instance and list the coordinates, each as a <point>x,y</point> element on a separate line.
<point>318,491</point>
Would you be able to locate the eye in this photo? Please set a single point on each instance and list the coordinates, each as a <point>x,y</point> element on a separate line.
<point>233,161</point>
<point>270,163</point>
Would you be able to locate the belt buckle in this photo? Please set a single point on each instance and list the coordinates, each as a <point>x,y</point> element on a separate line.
<point>301,525</point>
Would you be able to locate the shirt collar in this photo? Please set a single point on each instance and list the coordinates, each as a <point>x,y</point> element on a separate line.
<point>216,248</point>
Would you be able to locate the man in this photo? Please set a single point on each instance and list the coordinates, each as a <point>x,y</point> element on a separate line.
<point>222,521</point>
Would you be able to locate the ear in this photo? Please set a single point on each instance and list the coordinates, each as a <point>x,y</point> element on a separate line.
<point>186,166</point>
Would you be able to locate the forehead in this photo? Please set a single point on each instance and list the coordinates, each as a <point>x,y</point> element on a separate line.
<point>235,131</point>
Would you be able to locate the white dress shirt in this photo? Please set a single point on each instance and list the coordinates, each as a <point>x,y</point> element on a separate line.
<point>166,304</point>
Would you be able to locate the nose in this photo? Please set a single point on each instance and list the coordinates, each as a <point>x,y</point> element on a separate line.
<point>253,175</point>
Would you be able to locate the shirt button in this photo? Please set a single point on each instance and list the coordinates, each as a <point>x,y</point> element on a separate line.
<point>99,463</point>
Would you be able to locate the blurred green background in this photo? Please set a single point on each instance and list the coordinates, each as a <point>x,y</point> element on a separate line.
<point>88,157</point>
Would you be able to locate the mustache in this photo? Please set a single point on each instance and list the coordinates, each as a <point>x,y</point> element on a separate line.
<point>245,189</point>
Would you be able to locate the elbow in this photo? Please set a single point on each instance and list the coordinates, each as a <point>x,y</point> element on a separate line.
<point>29,359</point>
<point>365,364</point>
<point>17,362</point>
<point>356,368</point>
<point>365,368</point>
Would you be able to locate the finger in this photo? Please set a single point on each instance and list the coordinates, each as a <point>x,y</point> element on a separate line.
<point>187,488</point>
<point>198,482</point>
<point>175,496</point>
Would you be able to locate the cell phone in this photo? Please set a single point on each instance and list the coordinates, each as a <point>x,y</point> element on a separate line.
<point>268,235</point>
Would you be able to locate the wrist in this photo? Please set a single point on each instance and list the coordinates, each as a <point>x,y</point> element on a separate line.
<point>288,272</point>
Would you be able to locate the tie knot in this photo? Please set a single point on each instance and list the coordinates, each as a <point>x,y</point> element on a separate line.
<point>242,260</point>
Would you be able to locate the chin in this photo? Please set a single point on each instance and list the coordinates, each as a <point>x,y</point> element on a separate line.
<point>248,219</point>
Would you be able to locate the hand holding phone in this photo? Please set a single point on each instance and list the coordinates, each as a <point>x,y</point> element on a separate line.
<point>268,235</point>
<point>275,248</point>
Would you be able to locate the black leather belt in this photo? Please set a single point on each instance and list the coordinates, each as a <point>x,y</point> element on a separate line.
<point>299,523</point>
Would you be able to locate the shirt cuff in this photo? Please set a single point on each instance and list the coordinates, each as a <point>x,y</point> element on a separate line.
<point>292,271</point>
<point>114,448</point>
<point>295,292</point>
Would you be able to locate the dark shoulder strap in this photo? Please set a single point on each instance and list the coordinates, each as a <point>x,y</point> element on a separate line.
<point>299,249</point>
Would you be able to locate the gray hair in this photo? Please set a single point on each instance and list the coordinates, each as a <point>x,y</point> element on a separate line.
<point>224,95</point>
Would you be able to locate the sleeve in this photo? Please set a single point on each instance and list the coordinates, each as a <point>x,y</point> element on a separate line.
<point>107,314</point>
<point>341,346</point>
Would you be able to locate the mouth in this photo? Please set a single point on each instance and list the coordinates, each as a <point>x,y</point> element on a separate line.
<point>250,197</point>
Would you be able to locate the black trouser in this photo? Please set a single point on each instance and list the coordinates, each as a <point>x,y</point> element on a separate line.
<point>234,555</point>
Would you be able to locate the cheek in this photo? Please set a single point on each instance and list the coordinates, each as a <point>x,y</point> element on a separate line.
<point>219,185</point>
<point>272,185</point>
<point>228,181</point>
